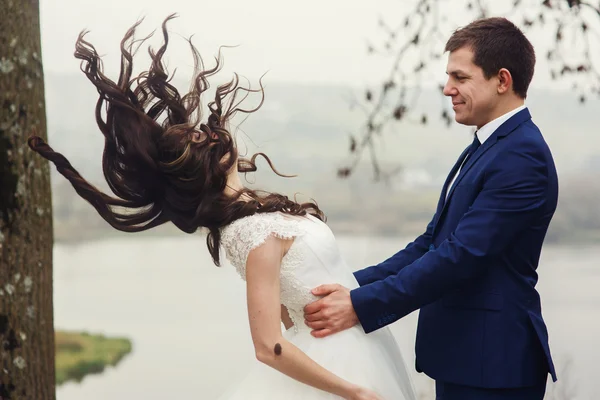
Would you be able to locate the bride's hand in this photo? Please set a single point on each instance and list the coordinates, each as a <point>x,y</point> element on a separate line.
<point>361,393</point>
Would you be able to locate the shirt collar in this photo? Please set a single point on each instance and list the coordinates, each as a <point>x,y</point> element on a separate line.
<point>488,129</point>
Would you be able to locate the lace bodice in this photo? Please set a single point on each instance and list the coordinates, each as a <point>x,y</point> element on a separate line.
<point>312,260</point>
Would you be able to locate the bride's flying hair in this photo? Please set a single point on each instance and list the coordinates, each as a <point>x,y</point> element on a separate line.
<point>162,163</point>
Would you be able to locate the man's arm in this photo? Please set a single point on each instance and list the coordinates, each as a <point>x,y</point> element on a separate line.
<point>401,259</point>
<point>512,197</point>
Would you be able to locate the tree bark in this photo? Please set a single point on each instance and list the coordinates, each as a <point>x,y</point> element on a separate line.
<point>26,236</point>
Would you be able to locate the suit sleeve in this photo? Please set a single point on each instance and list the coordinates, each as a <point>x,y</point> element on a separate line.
<point>513,195</point>
<point>401,259</point>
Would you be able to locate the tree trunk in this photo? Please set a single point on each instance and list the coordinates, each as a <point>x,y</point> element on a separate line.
<point>26,318</point>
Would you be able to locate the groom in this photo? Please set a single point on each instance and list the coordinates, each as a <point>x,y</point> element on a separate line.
<point>472,273</point>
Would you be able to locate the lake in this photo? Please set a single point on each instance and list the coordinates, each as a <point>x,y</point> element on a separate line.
<point>187,318</point>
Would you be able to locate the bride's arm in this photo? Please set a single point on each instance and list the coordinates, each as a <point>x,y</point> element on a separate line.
<point>264,312</point>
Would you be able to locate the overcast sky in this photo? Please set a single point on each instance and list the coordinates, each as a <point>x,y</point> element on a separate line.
<point>303,41</point>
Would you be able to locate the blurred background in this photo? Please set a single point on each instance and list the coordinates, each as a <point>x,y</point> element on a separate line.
<point>353,107</point>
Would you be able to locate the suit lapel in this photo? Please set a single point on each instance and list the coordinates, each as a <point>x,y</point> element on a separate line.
<point>472,160</point>
<point>503,130</point>
<point>451,175</point>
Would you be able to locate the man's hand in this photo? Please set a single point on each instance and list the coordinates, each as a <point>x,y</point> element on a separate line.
<point>331,314</point>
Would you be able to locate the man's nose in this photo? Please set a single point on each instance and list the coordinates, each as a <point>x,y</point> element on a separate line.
<point>449,89</point>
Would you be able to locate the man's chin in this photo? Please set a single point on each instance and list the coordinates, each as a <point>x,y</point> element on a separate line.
<point>463,120</point>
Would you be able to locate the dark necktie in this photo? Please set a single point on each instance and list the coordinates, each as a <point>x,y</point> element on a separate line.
<point>471,149</point>
<point>474,146</point>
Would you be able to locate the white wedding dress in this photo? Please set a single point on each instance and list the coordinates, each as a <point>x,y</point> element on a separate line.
<point>370,360</point>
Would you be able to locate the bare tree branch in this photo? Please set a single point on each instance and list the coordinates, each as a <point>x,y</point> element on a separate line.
<point>572,27</point>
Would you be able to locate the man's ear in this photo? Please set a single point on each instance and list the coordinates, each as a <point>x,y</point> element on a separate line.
<point>505,81</point>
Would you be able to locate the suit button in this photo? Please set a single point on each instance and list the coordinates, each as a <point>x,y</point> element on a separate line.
<point>431,247</point>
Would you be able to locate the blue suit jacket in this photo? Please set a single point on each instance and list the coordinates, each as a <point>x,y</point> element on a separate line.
<point>473,272</point>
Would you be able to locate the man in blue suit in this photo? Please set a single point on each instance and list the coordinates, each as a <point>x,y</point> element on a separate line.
<point>472,273</point>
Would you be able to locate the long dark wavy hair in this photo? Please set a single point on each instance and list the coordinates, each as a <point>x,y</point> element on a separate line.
<point>160,161</point>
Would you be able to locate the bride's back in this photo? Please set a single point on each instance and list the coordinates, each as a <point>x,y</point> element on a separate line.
<point>312,260</point>
<point>373,361</point>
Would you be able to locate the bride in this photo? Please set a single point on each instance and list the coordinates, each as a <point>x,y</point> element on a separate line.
<point>164,165</point>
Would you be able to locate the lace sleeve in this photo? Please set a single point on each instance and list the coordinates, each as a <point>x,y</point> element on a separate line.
<point>248,233</point>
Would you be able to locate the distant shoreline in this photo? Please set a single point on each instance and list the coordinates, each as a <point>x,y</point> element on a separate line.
<point>574,239</point>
